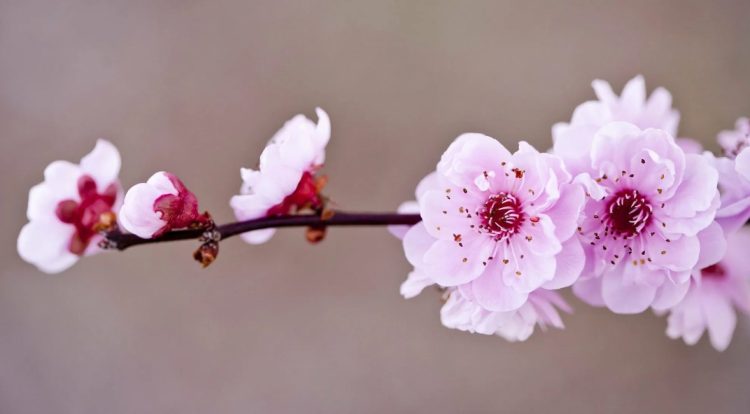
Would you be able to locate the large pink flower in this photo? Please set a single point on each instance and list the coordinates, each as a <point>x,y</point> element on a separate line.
<point>285,180</point>
<point>66,209</point>
<point>647,202</point>
<point>461,310</point>
<point>496,226</point>
<point>572,140</point>
<point>720,283</point>
<point>159,205</point>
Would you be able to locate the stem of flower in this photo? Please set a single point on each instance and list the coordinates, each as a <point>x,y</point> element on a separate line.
<point>121,241</point>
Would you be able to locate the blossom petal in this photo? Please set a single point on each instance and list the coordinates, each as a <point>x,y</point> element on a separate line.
<point>567,210</point>
<point>258,236</point>
<point>137,214</point>
<point>417,241</point>
<point>415,283</point>
<point>670,294</point>
<point>713,246</point>
<point>450,264</point>
<point>623,294</point>
<point>570,263</point>
<point>720,319</point>
<point>102,163</point>
<point>492,293</point>
<point>45,244</point>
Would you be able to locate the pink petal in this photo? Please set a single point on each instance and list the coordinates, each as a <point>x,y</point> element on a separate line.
<point>492,293</point>
<point>720,319</point>
<point>670,294</point>
<point>450,264</point>
<point>713,246</point>
<point>622,294</point>
<point>570,262</point>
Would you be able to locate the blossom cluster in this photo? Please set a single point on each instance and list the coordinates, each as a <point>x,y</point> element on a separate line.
<point>621,210</point>
<point>72,209</point>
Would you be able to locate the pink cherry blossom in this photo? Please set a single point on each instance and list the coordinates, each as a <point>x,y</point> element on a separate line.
<point>735,140</point>
<point>647,201</point>
<point>161,204</point>
<point>572,140</point>
<point>462,313</point>
<point>286,178</point>
<point>66,209</point>
<point>496,226</point>
<point>720,284</point>
<point>734,176</point>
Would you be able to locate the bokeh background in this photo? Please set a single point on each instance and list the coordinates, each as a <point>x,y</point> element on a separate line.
<point>197,87</point>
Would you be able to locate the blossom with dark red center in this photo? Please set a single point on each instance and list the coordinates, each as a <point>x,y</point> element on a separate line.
<point>286,180</point>
<point>68,210</point>
<point>647,201</point>
<point>497,228</point>
<point>720,286</point>
<point>161,204</point>
<point>86,212</point>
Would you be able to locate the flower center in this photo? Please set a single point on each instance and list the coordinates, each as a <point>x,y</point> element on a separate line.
<point>715,271</point>
<point>501,215</point>
<point>306,195</point>
<point>86,213</point>
<point>628,213</point>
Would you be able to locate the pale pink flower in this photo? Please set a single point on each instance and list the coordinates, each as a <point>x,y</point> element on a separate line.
<point>647,202</point>
<point>573,140</point>
<point>497,226</point>
<point>462,313</point>
<point>720,283</point>
<point>159,205</point>
<point>65,210</point>
<point>285,181</point>
<point>735,140</point>
<point>734,176</point>
<point>461,310</point>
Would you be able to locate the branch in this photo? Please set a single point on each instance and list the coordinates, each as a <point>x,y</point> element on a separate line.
<point>121,241</point>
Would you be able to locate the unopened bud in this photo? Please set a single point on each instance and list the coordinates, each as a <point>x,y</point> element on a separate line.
<point>207,253</point>
<point>315,234</point>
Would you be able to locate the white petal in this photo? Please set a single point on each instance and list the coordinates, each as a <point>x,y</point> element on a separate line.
<point>61,177</point>
<point>322,135</point>
<point>414,284</point>
<point>258,236</point>
<point>44,243</point>
<point>102,163</point>
<point>160,182</point>
<point>43,202</point>
<point>137,214</point>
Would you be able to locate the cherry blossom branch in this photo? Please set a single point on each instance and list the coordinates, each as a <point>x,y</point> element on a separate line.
<point>118,240</point>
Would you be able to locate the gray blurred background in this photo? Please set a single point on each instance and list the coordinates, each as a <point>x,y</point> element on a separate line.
<point>197,87</point>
